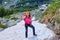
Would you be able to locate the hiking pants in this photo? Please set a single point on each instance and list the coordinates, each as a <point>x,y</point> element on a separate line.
<point>26,32</point>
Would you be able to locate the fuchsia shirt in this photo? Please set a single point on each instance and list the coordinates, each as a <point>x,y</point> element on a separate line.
<point>27,21</point>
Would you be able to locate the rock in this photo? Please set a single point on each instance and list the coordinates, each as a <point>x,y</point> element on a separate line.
<point>53,38</point>
<point>0,19</point>
<point>17,32</point>
<point>1,29</point>
<point>52,25</point>
<point>55,28</point>
<point>41,20</point>
<point>11,23</point>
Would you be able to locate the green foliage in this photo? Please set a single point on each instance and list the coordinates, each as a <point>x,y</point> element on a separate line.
<point>7,12</point>
<point>14,18</point>
<point>26,8</point>
<point>34,0</point>
<point>39,15</point>
<point>57,17</point>
<point>8,16</point>
<point>53,7</point>
<point>4,12</point>
<point>3,26</point>
<point>0,0</point>
<point>53,10</point>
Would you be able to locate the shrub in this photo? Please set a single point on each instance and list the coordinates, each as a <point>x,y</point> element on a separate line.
<point>53,12</point>
<point>3,26</point>
<point>4,12</point>
<point>14,18</point>
<point>8,16</point>
<point>25,8</point>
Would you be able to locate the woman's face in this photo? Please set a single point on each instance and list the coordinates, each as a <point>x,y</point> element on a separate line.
<point>27,14</point>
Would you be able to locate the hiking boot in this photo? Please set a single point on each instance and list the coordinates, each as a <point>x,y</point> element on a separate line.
<point>35,34</point>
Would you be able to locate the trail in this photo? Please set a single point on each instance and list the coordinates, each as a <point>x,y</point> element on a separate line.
<point>17,32</point>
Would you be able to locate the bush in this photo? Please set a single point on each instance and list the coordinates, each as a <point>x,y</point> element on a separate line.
<point>3,26</point>
<point>14,18</point>
<point>57,18</point>
<point>38,16</point>
<point>7,12</point>
<point>53,12</point>
<point>4,12</point>
<point>26,8</point>
<point>8,16</point>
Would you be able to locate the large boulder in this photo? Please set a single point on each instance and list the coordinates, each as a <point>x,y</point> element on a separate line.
<point>17,32</point>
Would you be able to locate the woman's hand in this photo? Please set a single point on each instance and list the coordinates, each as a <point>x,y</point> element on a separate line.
<point>23,17</point>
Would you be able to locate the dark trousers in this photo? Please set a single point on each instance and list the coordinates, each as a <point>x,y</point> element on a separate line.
<point>26,32</point>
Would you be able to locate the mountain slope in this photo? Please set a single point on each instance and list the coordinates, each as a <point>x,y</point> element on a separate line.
<point>10,3</point>
<point>17,32</point>
<point>52,17</point>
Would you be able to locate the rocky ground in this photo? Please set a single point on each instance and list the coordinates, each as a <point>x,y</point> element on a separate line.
<point>52,24</point>
<point>13,24</point>
<point>17,32</point>
<point>52,18</point>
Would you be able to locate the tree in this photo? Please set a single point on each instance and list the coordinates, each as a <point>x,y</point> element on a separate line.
<point>48,0</point>
<point>2,12</point>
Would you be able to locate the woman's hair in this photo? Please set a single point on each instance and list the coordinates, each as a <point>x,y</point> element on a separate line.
<point>29,14</point>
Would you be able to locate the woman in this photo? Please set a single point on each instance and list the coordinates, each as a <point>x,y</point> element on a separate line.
<point>28,22</point>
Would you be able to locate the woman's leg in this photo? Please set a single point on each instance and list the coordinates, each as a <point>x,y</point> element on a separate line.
<point>33,29</point>
<point>26,32</point>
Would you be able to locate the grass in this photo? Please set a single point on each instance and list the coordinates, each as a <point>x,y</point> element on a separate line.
<point>4,12</point>
<point>3,26</point>
<point>7,12</point>
<point>39,15</point>
<point>26,8</point>
<point>7,16</point>
<point>53,10</point>
<point>57,17</point>
<point>14,18</point>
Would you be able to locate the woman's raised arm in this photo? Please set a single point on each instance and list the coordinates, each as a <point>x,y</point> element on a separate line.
<point>23,17</point>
